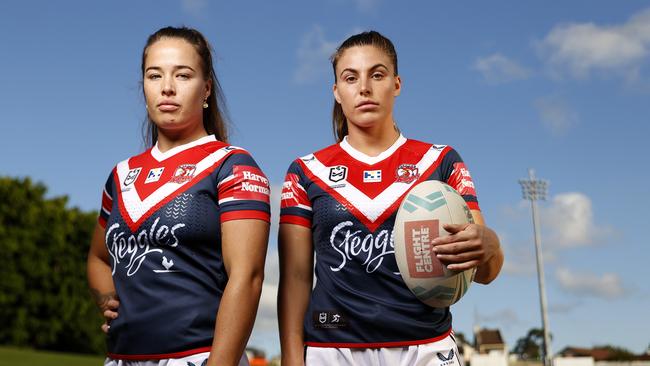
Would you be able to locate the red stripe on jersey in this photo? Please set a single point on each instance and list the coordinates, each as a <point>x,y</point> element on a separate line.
<point>117,356</point>
<point>102,222</point>
<point>372,225</point>
<point>133,225</point>
<point>245,214</point>
<point>107,202</point>
<point>293,194</point>
<point>297,220</point>
<point>380,344</point>
<point>473,205</point>
<point>461,180</point>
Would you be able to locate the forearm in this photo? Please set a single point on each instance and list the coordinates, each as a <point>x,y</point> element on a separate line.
<point>235,319</point>
<point>293,300</point>
<point>100,281</point>
<point>488,270</point>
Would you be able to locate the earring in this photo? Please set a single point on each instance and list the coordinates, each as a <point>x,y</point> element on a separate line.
<point>205,104</point>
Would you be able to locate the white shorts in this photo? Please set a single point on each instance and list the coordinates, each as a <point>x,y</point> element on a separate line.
<point>440,353</point>
<point>199,359</point>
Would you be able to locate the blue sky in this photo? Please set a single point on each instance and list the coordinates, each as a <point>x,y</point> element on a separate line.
<point>511,85</point>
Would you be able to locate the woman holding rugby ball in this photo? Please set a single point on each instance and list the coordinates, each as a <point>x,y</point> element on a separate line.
<point>340,203</point>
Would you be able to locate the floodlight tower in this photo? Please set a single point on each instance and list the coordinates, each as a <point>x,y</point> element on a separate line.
<point>533,190</point>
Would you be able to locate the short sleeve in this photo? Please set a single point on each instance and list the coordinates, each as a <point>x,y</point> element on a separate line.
<point>295,206</point>
<point>107,202</point>
<point>456,174</point>
<point>242,189</point>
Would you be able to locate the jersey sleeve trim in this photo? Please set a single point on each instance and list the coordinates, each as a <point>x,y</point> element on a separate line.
<point>245,214</point>
<point>473,205</point>
<point>296,220</point>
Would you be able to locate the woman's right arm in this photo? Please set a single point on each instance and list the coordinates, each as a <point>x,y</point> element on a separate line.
<point>296,278</point>
<point>100,279</point>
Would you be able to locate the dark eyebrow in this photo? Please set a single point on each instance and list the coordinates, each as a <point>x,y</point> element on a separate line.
<point>379,65</point>
<point>177,67</point>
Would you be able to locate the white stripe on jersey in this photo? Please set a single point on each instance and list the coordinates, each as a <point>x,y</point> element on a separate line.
<point>136,207</point>
<point>228,179</point>
<point>370,208</point>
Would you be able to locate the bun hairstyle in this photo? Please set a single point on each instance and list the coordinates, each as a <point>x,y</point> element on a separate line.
<point>215,115</point>
<point>369,38</point>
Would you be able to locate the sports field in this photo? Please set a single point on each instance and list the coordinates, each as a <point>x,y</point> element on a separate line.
<point>10,356</point>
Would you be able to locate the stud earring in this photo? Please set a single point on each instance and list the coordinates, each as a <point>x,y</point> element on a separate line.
<point>205,104</point>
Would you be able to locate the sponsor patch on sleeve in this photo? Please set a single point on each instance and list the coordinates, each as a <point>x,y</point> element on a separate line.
<point>461,180</point>
<point>250,184</point>
<point>293,194</point>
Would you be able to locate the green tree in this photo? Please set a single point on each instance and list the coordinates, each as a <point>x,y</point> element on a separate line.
<point>530,346</point>
<point>44,301</point>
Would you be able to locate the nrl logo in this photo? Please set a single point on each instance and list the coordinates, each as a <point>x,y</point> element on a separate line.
<point>338,173</point>
<point>131,176</point>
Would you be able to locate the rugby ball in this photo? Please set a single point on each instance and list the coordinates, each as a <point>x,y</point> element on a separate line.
<point>421,215</point>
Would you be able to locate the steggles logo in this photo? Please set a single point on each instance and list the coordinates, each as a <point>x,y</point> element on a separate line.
<point>135,248</point>
<point>351,243</point>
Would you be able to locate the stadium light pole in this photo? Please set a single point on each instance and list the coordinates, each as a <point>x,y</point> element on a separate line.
<point>533,190</point>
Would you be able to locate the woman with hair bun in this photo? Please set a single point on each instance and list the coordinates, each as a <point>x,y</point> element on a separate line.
<point>176,262</point>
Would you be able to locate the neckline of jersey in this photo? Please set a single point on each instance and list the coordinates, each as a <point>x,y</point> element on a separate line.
<point>160,156</point>
<point>371,160</point>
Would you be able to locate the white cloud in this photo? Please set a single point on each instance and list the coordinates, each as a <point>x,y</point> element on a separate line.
<point>518,259</point>
<point>194,7</point>
<point>367,6</point>
<point>569,222</point>
<point>581,49</point>
<point>497,69</point>
<point>564,308</point>
<point>556,115</point>
<point>608,285</point>
<point>313,56</point>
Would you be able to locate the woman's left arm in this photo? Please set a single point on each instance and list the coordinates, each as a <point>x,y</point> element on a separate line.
<point>471,245</point>
<point>244,245</point>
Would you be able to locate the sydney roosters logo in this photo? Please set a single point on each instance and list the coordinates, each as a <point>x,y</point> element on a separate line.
<point>132,250</point>
<point>351,243</point>
<point>183,173</point>
<point>407,173</point>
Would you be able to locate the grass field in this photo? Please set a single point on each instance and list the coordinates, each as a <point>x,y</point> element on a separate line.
<point>10,356</point>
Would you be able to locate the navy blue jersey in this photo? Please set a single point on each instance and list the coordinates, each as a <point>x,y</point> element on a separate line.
<point>349,200</point>
<point>162,214</point>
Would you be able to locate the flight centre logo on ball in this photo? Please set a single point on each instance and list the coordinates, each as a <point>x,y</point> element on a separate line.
<point>421,259</point>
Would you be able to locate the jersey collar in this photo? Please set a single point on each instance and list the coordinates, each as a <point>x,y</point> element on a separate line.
<point>160,156</point>
<point>370,160</point>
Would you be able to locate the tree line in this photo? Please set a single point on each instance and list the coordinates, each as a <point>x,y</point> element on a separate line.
<point>44,298</point>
